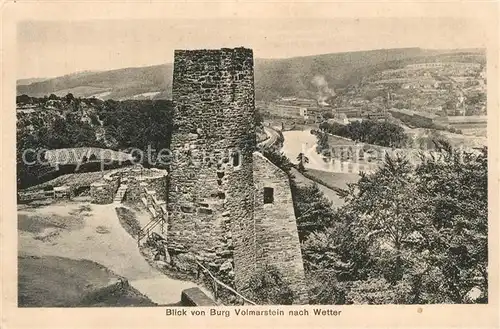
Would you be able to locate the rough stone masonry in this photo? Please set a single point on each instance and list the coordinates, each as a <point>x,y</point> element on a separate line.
<point>230,208</point>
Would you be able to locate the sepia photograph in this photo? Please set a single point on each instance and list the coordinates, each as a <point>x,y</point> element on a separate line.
<point>252,161</point>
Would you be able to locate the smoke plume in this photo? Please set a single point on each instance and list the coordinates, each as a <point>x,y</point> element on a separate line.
<point>324,92</point>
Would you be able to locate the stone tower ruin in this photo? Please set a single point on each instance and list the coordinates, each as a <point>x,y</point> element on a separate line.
<point>215,201</point>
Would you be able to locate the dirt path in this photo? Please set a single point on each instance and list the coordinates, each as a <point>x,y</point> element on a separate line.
<point>115,249</point>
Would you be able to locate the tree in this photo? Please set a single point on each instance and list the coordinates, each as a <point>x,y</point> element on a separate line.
<point>322,143</point>
<point>69,97</point>
<point>457,203</point>
<point>313,210</point>
<point>302,158</point>
<point>23,99</point>
<point>278,158</point>
<point>259,119</point>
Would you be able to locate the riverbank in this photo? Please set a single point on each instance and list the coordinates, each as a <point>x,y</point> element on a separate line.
<point>326,175</point>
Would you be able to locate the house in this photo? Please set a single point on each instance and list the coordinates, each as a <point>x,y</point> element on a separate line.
<point>376,115</point>
<point>287,111</point>
<point>340,118</point>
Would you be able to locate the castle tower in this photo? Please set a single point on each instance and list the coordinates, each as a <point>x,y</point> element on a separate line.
<point>230,208</point>
<point>211,186</point>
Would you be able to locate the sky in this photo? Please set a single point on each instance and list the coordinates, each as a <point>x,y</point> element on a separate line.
<point>54,48</point>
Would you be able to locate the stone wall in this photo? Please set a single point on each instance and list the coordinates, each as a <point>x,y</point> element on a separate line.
<point>64,192</point>
<point>210,195</point>
<point>103,191</point>
<point>139,180</point>
<point>159,186</point>
<point>276,227</point>
<point>134,189</point>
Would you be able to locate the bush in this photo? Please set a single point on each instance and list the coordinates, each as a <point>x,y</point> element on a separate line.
<point>267,287</point>
<point>325,289</point>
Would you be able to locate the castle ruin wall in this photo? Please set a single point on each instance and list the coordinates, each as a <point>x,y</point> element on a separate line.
<point>276,226</point>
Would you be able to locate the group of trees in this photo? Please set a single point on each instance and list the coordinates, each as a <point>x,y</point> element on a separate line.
<point>67,122</point>
<point>26,99</point>
<point>137,123</point>
<point>406,234</point>
<point>381,133</point>
<point>130,123</point>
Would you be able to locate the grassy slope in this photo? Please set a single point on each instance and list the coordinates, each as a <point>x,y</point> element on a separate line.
<point>337,180</point>
<point>128,221</point>
<point>330,194</point>
<point>51,281</point>
<point>121,82</point>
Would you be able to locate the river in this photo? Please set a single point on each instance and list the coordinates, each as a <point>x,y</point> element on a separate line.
<point>302,141</point>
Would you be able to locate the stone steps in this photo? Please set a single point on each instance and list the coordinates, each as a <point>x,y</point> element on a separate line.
<point>120,193</point>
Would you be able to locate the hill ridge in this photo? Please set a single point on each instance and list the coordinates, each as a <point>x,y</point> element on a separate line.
<point>273,77</point>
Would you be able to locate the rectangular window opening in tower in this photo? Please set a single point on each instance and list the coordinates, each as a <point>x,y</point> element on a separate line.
<point>236,159</point>
<point>268,195</point>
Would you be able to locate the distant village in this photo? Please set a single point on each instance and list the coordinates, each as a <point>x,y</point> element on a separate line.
<point>446,94</point>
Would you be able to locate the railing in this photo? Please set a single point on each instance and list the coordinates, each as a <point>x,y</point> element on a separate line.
<point>216,282</point>
<point>146,230</point>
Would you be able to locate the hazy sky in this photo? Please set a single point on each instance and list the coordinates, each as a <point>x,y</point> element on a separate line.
<point>47,49</point>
